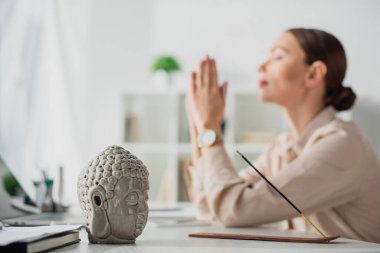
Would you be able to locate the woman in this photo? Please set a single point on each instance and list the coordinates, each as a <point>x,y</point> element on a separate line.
<point>324,166</point>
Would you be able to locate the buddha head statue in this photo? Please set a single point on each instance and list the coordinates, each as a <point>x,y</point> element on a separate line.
<point>113,194</point>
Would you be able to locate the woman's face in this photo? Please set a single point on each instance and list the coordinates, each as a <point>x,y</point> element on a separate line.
<point>283,74</point>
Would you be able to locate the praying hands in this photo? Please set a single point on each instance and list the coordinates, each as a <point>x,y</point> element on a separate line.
<point>205,103</point>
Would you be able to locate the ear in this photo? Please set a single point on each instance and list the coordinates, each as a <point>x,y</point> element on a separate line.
<point>99,226</point>
<point>316,74</point>
<point>97,196</point>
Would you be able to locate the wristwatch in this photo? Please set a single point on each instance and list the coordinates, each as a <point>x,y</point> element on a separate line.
<point>206,138</point>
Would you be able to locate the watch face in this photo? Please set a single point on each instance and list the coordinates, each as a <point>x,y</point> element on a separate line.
<point>207,138</point>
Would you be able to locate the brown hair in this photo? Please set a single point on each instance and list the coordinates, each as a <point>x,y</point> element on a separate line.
<point>322,46</point>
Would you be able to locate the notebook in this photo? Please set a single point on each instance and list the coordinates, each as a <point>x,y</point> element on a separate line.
<point>37,239</point>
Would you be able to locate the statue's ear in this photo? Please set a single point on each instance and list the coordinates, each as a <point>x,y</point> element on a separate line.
<point>98,197</point>
<point>99,225</point>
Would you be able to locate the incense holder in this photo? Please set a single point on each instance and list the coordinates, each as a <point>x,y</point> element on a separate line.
<point>113,194</point>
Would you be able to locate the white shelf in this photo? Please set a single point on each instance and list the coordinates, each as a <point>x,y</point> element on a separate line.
<point>184,148</point>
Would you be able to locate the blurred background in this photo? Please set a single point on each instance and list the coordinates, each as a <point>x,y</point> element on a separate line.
<point>77,76</point>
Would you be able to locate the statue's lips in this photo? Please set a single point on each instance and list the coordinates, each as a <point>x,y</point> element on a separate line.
<point>140,219</point>
<point>140,222</point>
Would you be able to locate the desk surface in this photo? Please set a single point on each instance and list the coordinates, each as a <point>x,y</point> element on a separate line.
<point>175,239</point>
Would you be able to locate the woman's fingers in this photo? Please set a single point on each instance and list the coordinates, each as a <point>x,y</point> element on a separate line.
<point>200,79</point>
<point>223,91</point>
<point>193,83</point>
<point>210,72</point>
<point>206,73</point>
<point>214,73</point>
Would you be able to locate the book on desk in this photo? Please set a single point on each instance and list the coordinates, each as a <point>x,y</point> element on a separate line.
<point>37,239</point>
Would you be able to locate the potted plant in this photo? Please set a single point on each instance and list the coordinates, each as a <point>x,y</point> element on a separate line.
<point>11,185</point>
<point>163,67</point>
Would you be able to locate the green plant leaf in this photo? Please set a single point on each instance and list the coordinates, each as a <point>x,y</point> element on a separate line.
<point>10,184</point>
<point>166,63</point>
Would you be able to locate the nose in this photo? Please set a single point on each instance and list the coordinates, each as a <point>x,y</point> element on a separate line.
<point>262,67</point>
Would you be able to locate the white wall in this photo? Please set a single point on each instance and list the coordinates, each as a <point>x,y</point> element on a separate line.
<point>119,55</point>
<point>127,34</point>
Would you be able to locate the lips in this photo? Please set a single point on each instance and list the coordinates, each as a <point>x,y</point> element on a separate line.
<point>262,83</point>
<point>141,218</point>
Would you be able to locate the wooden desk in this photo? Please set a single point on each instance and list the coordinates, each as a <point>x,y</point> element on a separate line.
<point>176,240</point>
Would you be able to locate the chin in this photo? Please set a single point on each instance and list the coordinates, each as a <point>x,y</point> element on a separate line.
<point>265,98</point>
<point>268,99</point>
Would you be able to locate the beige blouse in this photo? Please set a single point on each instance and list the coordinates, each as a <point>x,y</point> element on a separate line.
<point>330,172</point>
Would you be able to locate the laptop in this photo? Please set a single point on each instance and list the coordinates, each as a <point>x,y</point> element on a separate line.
<point>12,215</point>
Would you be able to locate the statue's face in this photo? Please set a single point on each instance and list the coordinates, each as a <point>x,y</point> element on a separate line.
<point>124,216</point>
<point>128,209</point>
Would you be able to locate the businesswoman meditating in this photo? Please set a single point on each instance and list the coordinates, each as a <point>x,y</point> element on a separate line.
<point>325,166</point>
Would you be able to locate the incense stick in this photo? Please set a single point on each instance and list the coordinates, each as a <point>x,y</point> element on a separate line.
<point>282,195</point>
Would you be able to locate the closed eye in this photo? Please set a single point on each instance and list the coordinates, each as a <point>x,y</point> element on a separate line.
<point>132,199</point>
<point>277,57</point>
<point>278,53</point>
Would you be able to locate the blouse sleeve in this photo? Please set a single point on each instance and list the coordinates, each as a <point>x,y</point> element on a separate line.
<point>323,176</point>
<point>198,195</point>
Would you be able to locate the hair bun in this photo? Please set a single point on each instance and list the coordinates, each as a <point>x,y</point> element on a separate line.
<point>344,99</point>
